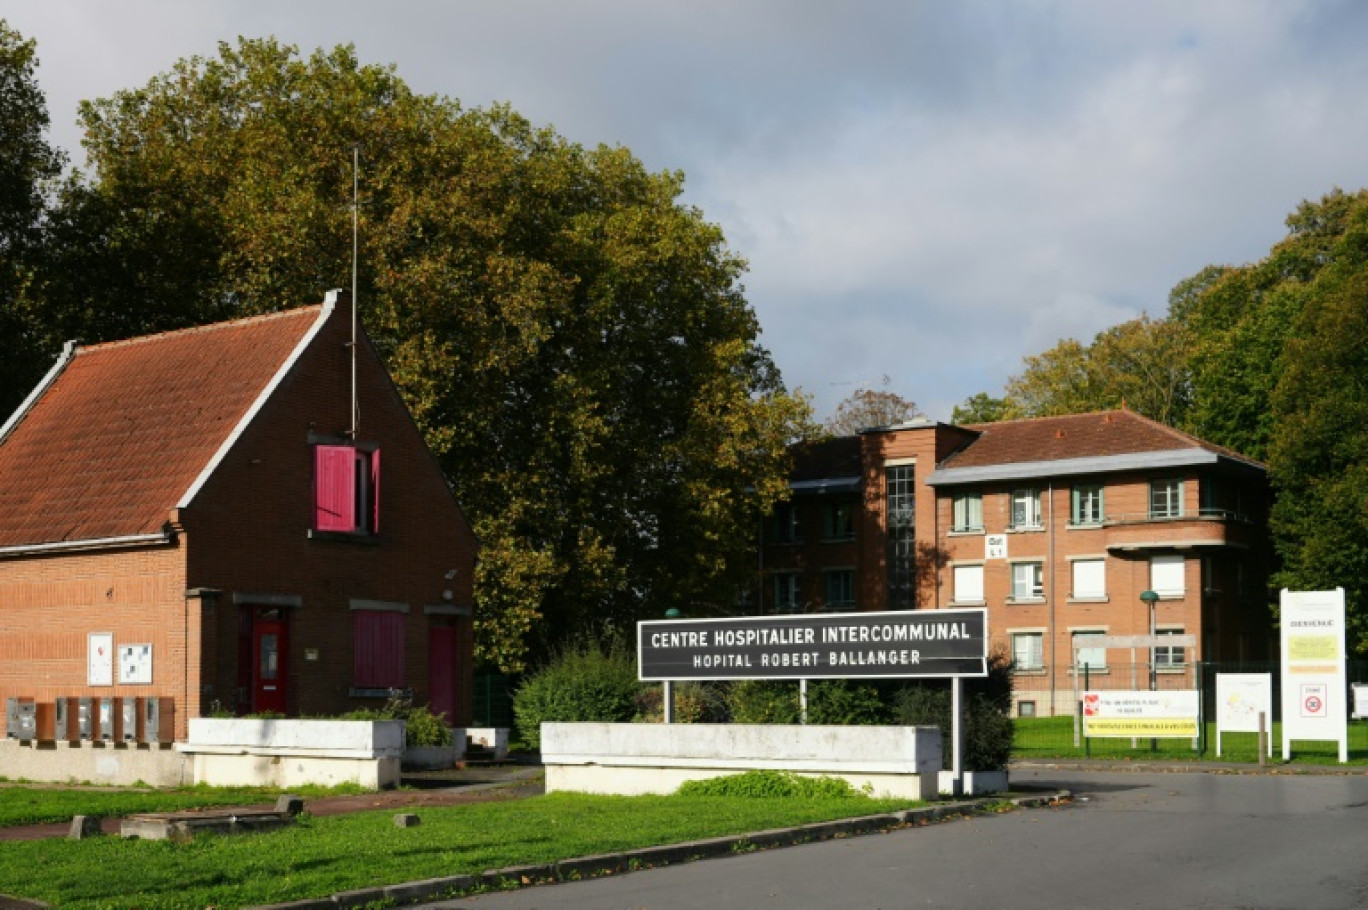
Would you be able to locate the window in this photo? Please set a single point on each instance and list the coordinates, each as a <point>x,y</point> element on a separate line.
<point>1166,498</point>
<point>1028,651</point>
<point>346,489</point>
<point>1028,581</point>
<point>1092,658</point>
<point>1090,579</point>
<point>786,523</point>
<point>1026,709</point>
<point>1167,575</point>
<point>899,487</point>
<point>1026,508</point>
<point>1086,504</point>
<point>377,649</point>
<point>1170,655</point>
<point>968,584</point>
<point>839,521</point>
<point>967,512</point>
<point>786,592</point>
<point>840,589</point>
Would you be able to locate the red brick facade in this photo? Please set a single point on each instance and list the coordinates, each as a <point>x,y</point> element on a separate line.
<point>239,554</point>
<point>1082,513</point>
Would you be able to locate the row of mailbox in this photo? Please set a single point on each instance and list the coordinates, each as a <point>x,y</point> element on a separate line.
<point>110,720</point>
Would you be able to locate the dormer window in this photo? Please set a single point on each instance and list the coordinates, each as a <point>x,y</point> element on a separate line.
<point>347,489</point>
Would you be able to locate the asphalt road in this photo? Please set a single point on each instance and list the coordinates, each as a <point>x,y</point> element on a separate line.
<point>1142,840</point>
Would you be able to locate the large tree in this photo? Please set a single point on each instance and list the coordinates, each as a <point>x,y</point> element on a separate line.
<point>27,162</point>
<point>1140,364</point>
<point>865,408</point>
<point>571,338</point>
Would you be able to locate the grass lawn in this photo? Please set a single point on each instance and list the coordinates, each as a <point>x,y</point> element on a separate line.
<point>31,805</point>
<point>320,856</point>
<point>1052,737</point>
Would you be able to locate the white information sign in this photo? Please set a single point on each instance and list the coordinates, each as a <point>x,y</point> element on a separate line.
<point>995,546</point>
<point>1240,699</point>
<point>1313,681</point>
<point>1360,700</point>
<point>135,665</point>
<point>100,659</point>
<point>1132,713</point>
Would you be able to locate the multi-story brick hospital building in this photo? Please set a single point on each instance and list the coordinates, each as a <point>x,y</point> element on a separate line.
<point>1056,525</point>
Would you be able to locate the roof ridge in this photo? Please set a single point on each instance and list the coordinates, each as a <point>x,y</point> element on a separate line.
<point>1041,417</point>
<point>199,329</point>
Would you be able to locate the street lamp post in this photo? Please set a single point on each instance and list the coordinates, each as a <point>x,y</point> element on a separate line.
<point>1151,598</point>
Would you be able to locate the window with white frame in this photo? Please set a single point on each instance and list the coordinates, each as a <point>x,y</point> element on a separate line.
<point>1026,508</point>
<point>967,512</point>
<point>1168,575</point>
<point>1028,651</point>
<point>1085,504</point>
<point>1028,581</point>
<point>1170,655</point>
<point>1090,579</point>
<point>1091,657</point>
<point>1166,498</point>
<point>968,584</point>
<point>786,592</point>
<point>840,589</point>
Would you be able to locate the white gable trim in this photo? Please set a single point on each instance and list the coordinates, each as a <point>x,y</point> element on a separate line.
<point>329,304</point>
<point>68,352</point>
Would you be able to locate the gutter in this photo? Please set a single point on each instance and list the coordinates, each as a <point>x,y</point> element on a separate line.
<point>98,543</point>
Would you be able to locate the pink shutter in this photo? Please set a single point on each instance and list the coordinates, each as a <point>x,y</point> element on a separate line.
<point>375,491</point>
<point>335,488</point>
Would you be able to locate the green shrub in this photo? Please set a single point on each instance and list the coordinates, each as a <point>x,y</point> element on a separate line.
<point>421,726</point>
<point>987,723</point>
<point>761,701</point>
<point>695,703</point>
<point>771,785</point>
<point>584,682</point>
<point>842,702</point>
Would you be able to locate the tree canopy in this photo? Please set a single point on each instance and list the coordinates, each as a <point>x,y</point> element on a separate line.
<point>27,163</point>
<point>571,338</point>
<point>865,408</point>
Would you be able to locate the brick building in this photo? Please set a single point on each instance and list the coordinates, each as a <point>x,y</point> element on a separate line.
<point>1055,524</point>
<point>205,516</point>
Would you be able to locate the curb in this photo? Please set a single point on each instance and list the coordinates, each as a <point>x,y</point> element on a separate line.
<point>596,866</point>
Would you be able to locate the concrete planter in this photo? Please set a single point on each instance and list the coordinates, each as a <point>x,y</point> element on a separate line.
<point>657,758</point>
<point>236,751</point>
<point>429,758</point>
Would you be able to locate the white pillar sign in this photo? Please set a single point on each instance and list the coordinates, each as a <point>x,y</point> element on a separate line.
<point>1313,683</point>
<point>1240,699</point>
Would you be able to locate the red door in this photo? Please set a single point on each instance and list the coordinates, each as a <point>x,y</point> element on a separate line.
<point>269,640</point>
<point>442,671</point>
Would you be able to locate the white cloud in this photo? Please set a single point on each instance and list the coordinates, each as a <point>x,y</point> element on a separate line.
<point>928,191</point>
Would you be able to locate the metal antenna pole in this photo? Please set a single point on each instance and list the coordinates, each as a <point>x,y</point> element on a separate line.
<point>356,208</point>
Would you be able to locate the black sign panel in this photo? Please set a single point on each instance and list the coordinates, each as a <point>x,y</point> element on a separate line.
<point>905,643</point>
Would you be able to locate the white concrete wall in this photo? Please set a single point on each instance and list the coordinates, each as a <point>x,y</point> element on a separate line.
<point>94,763</point>
<point>656,758</point>
<point>234,751</point>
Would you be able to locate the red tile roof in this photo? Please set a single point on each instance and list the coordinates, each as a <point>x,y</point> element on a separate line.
<point>1073,436</point>
<point>111,447</point>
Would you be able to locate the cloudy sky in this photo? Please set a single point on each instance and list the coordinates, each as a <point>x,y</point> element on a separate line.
<point>924,190</point>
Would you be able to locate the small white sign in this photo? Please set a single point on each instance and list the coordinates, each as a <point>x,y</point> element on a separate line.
<point>1240,699</point>
<point>100,659</point>
<point>995,546</point>
<point>135,665</point>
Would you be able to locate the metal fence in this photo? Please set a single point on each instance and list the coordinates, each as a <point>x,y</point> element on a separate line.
<point>1047,712</point>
